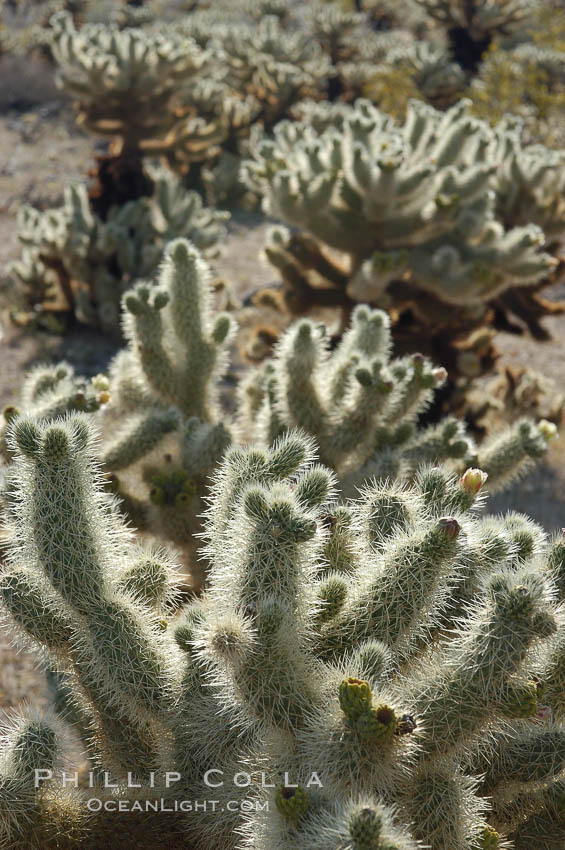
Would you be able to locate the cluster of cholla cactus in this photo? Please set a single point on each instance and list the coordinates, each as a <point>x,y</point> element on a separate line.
<point>76,264</point>
<point>167,412</point>
<point>443,210</point>
<point>384,673</point>
<point>128,86</point>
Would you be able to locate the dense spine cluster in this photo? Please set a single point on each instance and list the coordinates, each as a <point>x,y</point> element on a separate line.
<point>165,428</point>
<point>380,700</point>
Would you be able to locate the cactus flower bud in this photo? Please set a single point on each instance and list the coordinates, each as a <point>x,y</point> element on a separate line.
<point>100,382</point>
<point>449,526</point>
<point>440,375</point>
<point>547,429</point>
<point>525,702</point>
<point>157,495</point>
<point>488,839</point>
<point>473,480</point>
<point>10,412</point>
<point>376,724</point>
<point>292,802</point>
<point>103,397</point>
<point>182,500</point>
<point>355,697</point>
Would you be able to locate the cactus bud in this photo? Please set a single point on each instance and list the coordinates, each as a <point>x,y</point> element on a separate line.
<point>157,495</point>
<point>182,500</point>
<point>132,304</point>
<point>524,702</point>
<point>450,527</point>
<point>293,803</point>
<point>10,412</point>
<point>100,382</point>
<point>489,839</point>
<point>473,480</point>
<point>221,329</point>
<point>547,429</point>
<point>376,724</point>
<point>440,375</point>
<point>355,697</point>
<point>161,300</point>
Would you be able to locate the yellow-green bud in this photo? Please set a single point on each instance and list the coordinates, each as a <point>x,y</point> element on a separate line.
<point>547,429</point>
<point>489,839</point>
<point>182,500</point>
<point>100,382</point>
<point>525,702</point>
<point>355,697</point>
<point>292,802</point>
<point>157,495</point>
<point>473,480</point>
<point>376,724</point>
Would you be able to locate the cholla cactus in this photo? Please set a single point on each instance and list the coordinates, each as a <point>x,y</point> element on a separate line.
<point>127,84</point>
<point>274,66</point>
<point>415,211</point>
<point>362,407</point>
<point>75,262</point>
<point>165,427</point>
<point>164,424</point>
<point>49,392</point>
<point>363,696</point>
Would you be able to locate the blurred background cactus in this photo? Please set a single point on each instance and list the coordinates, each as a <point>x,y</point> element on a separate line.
<point>78,264</point>
<point>440,212</point>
